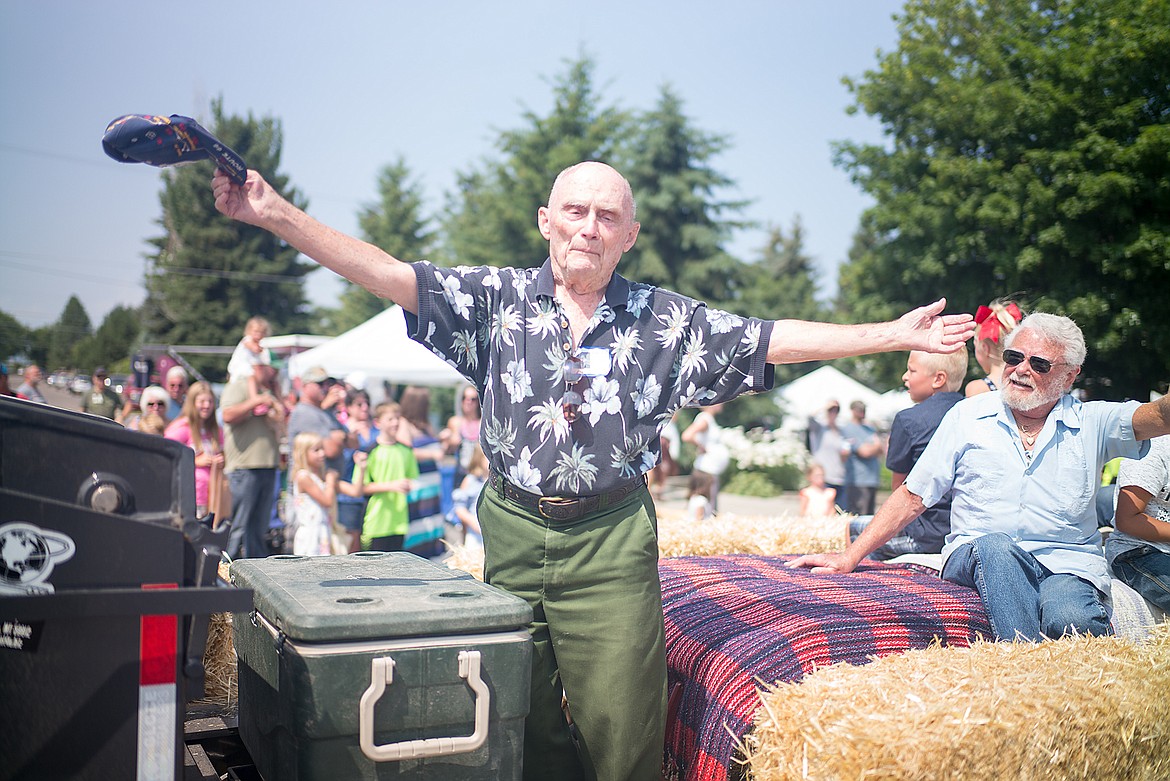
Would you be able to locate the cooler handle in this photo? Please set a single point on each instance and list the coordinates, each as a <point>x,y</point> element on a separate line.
<point>382,675</point>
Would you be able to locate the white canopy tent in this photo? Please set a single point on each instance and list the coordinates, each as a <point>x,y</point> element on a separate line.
<point>381,349</point>
<point>808,395</point>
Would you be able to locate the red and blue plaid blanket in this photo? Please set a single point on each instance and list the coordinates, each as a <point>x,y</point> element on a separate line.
<point>735,622</point>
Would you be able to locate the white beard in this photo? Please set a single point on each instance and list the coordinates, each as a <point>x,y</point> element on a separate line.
<point>1020,401</point>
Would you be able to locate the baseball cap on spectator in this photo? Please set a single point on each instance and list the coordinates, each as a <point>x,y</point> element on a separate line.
<point>317,374</point>
<point>99,371</point>
<point>164,141</point>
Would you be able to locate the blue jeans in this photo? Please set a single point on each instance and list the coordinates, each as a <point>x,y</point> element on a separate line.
<point>252,503</point>
<point>1146,570</point>
<point>897,545</point>
<point>1022,597</point>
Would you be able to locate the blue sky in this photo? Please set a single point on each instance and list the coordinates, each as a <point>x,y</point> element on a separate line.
<point>355,84</point>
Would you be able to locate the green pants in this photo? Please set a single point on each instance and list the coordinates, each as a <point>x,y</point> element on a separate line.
<point>597,632</point>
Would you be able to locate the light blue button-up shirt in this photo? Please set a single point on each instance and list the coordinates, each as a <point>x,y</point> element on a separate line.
<point>1046,503</point>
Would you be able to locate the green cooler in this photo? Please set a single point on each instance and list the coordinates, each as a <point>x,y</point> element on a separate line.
<point>380,666</point>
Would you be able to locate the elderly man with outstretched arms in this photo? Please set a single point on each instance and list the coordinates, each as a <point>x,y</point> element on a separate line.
<point>578,370</point>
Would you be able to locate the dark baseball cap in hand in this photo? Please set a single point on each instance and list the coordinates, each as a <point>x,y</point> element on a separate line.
<point>163,141</point>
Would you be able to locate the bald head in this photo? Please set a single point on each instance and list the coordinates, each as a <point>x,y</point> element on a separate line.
<point>589,223</point>
<point>590,167</point>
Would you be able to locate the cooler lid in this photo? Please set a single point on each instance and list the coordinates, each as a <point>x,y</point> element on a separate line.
<point>373,595</point>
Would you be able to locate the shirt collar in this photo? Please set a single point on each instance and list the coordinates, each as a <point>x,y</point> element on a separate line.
<point>617,292</point>
<point>1066,411</point>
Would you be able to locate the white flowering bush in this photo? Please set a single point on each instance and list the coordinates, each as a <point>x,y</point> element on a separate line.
<point>763,462</point>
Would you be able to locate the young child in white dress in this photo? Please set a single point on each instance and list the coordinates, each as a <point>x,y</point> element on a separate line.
<point>817,500</point>
<point>314,493</point>
<point>699,506</point>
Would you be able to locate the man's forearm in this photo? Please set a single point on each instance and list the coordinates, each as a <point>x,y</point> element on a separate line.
<point>238,412</point>
<point>797,341</point>
<point>894,515</point>
<point>1152,419</point>
<point>360,262</point>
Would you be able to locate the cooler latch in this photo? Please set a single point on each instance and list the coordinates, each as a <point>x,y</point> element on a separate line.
<point>382,675</point>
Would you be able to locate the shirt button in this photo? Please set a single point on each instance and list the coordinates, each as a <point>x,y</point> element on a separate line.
<point>567,346</point>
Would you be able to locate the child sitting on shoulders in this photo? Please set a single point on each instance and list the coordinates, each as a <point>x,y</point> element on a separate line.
<point>248,354</point>
<point>701,486</point>
<point>817,500</point>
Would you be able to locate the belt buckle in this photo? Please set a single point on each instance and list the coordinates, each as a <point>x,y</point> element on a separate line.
<point>553,502</point>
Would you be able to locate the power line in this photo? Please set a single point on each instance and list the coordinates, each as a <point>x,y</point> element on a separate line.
<point>51,155</point>
<point>243,276</point>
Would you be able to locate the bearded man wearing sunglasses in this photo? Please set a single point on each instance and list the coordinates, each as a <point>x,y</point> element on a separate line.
<point>1022,465</point>
<point>579,370</point>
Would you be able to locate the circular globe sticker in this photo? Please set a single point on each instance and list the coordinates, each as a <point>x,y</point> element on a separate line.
<point>27,556</point>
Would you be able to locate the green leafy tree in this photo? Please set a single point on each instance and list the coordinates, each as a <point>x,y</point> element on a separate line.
<point>1028,149</point>
<point>14,337</point>
<point>684,228</point>
<point>111,344</point>
<point>397,225</point>
<point>210,274</point>
<point>880,371</point>
<point>72,327</point>
<point>491,219</point>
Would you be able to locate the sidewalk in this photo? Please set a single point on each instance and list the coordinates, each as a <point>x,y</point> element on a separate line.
<point>787,503</point>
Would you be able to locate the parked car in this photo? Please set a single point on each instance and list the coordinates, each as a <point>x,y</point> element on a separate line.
<point>80,384</point>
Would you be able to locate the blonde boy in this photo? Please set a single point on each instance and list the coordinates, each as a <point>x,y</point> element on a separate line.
<point>933,381</point>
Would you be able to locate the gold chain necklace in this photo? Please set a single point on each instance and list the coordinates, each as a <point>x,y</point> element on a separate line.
<point>1028,437</point>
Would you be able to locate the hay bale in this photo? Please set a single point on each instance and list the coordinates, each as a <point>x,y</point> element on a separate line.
<point>219,662</point>
<point>219,654</point>
<point>724,534</point>
<point>468,559</point>
<point>1077,708</point>
<point>728,533</point>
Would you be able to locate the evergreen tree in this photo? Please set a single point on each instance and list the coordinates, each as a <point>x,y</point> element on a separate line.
<point>1028,149</point>
<point>681,243</point>
<point>782,284</point>
<point>113,341</point>
<point>396,224</point>
<point>72,327</point>
<point>491,219</point>
<point>210,274</point>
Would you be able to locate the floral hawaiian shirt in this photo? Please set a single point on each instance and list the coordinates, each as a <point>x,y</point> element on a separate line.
<point>652,352</point>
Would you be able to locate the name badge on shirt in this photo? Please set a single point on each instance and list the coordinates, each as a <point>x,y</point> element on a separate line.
<point>595,361</point>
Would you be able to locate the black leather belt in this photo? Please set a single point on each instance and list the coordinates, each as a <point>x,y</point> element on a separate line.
<point>562,508</point>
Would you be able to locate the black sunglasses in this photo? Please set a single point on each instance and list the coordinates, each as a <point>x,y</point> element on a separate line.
<point>1039,365</point>
<point>575,386</point>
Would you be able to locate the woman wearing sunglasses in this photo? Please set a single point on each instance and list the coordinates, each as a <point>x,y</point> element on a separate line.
<point>1022,467</point>
<point>154,400</point>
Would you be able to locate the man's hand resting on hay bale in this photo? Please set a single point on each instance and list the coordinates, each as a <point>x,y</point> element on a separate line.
<point>894,515</point>
<point>820,563</point>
